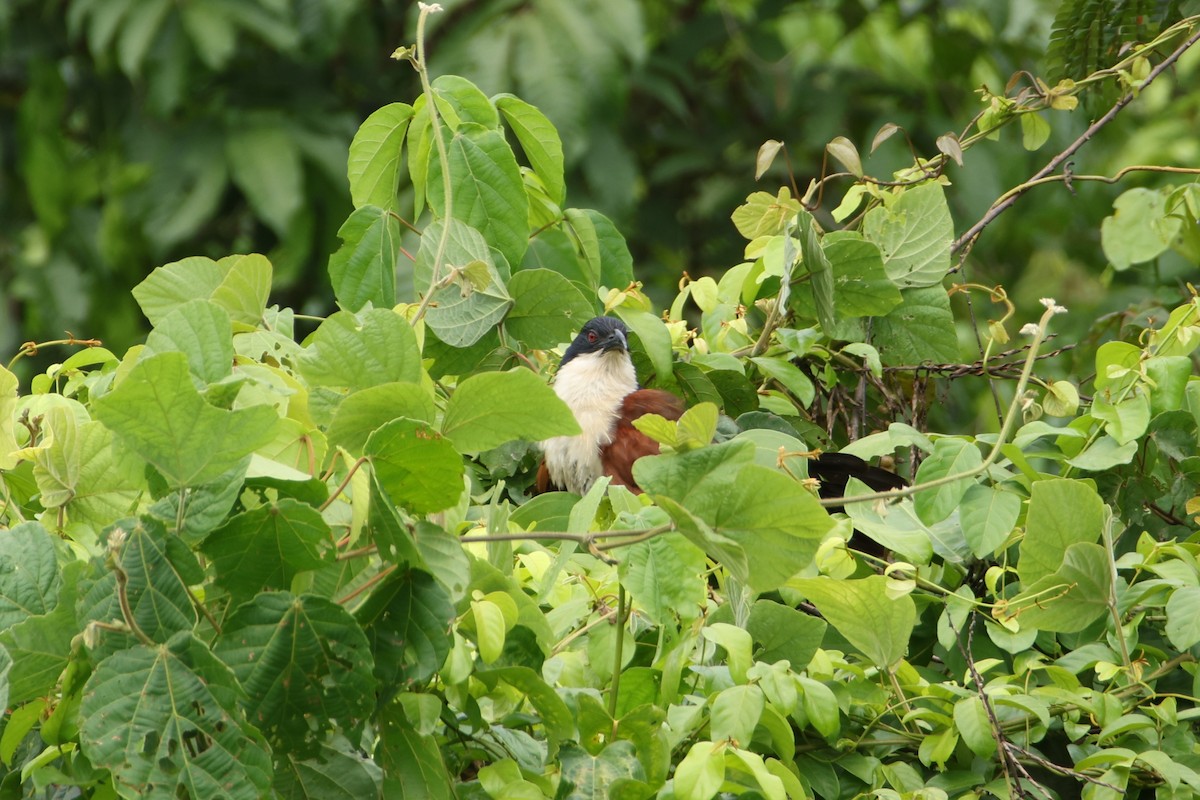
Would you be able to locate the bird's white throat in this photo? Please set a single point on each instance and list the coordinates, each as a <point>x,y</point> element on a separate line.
<point>593,385</point>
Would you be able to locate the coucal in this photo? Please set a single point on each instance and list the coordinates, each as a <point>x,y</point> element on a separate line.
<point>597,381</point>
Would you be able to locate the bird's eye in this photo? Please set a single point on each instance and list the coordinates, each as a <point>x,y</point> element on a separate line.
<point>591,337</point>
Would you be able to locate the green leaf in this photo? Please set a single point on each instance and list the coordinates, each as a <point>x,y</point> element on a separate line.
<point>363,270</point>
<point>419,469</point>
<point>788,375</point>
<point>460,101</point>
<point>1183,617</point>
<point>492,408</point>
<point>655,338</point>
<point>765,214</point>
<point>600,775</point>
<point>374,163</point>
<point>816,264</point>
<point>336,772</point>
<point>239,284</point>
<point>360,351</point>
<point>919,330</point>
<point>735,713</point>
<point>40,645</point>
<point>539,141</point>
<point>305,666</point>
<point>846,154</point>
<point>663,576</point>
<point>157,412</point>
<point>488,193</point>
<point>388,531</point>
<point>913,232</point>
<point>1139,229</point>
<point>861,286</point>
<point>701,772</point>
<point>158,569</point>
<point>265,547</point>
<point>775,520</point>
<point>1069,599</point>
<point>369,409</point>
<point>201,330</point>
<point>407,621</point>
<point>782,633</point>
<point>212,31</point>
<point>1061,513</point>
<point>861,610</point>
<point>1034,131</point>
<point>972,723</point>
<point>950,456</point>
<point>987,515</point>
<point>412,764</point>
<point>1126,420</point>
<point>264,162</point>
<point>33,588</point>
<point>8,422</point>
<point>142,711</point>
<point>78,467</point>
<point>820,706</point>
<point>547,308</point>
<point>466,309</point>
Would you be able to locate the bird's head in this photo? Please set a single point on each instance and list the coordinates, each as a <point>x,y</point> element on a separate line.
<point>602,336</point>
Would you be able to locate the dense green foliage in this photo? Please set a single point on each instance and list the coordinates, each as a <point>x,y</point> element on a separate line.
<point>241,561</point>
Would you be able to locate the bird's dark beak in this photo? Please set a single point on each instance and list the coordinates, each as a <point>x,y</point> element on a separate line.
<point>616,341</point>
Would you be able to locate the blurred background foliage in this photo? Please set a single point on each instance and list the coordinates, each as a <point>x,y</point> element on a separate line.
<point>137,132</point>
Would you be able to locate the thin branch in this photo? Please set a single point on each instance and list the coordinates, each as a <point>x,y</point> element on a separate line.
<point>999,207</point>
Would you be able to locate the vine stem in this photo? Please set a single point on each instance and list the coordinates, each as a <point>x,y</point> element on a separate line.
<point>436,130</point>
<point>1038,333</point>
<point>614,692</point>
<point>1010,197</point>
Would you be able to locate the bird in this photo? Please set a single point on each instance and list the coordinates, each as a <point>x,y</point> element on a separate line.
<point>597,381</point>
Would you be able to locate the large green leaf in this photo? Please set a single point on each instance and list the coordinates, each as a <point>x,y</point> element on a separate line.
<point>78,466</point>
<point>412,763</point>
<point>1183,617</point>
<point>861,610</point>
<point>539,141</point>
<point>157,412</point>
<point>595,775</point>
<point>919,330</point>
<point>388,531</point>
<point>239,284</point>
<point>861,286</point>
<point>158,570</point>
<point>913,231</point>
<point>420,470</point>
<point>164,721</point>
<point>547,308</point>
<point>40,644</point>
<point>407,622</point>
<point>772,518</point>
<point>987,516</point>
<point>305,665</point>
<point>469,307</point>
<point>363,269</point>
<point>488,193</point>
<point>492,408</point>
<point>201,330</point>
<point>359,351</point>
<point>950,457</point>
<point>368,409</point>
<point>663,576</point>
<point>337,772</point>
<point>782,633</point>
<point>1061,513</point>
<point>374,163</point>
<point>1139,229</point>
<point>33,587</point>
<point>266,547</point>
<point>1070,598</point>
